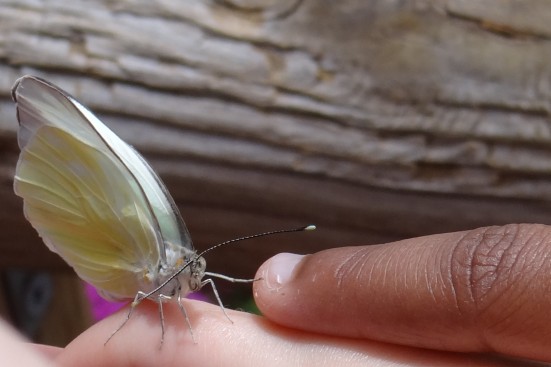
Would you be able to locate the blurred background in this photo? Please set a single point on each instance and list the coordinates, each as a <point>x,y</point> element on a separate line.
<point>375,120</point>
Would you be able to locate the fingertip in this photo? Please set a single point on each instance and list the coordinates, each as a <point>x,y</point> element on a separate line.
<point>279,270</point>
<point>16,351</point>
<point>275,274</point>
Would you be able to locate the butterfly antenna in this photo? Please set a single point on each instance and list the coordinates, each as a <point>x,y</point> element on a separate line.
<point>310,227</point>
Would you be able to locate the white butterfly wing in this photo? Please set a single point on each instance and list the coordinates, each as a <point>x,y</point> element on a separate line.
<point>92,198</point>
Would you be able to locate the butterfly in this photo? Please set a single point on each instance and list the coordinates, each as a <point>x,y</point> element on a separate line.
<point>96,202</point>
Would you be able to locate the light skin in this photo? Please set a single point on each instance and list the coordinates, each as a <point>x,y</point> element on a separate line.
<point>453,299</point>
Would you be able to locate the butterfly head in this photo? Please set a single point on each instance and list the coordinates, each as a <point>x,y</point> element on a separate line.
<point>196,273</point>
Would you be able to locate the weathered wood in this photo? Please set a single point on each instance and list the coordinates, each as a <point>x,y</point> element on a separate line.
<point>375,120</point>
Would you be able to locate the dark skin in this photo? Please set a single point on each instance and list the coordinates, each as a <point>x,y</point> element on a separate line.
<point>476,298</point>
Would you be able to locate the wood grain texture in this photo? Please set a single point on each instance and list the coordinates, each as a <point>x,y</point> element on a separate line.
<point>375,120</point>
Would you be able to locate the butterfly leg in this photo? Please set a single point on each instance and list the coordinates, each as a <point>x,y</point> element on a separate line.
<point>215,291</point>
<point>184,312</point>
<point>139,297</point>
<point>160,301</point>
<point>230,279</point>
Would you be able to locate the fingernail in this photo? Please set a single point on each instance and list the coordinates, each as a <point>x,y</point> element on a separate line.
<point>280,269</point>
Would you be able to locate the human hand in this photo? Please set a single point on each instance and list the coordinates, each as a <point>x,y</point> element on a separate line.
<point>337,302</point>
<point>250,341</point>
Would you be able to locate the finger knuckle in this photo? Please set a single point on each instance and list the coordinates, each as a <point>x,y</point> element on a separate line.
<point>487,263</point>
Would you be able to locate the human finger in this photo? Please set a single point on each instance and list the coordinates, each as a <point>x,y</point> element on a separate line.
<point>16,351</point>
<point>249,341</point>
<point>483,290</point>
